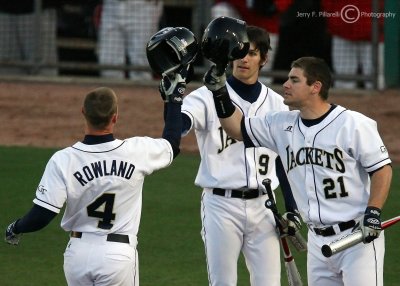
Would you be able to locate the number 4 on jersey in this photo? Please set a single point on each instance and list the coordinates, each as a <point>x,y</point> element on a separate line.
<point>102,208</point>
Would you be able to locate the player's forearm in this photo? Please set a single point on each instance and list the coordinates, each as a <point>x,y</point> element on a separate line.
<point>173,126</point>
<point>36,219</point>
<point>380,185</point>
<point>290,203</point>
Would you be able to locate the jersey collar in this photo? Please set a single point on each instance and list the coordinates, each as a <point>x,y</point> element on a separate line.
<point>98,139</point>
<point>248,92</point>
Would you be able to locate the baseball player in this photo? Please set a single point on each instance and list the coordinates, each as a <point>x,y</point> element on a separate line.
<point>125,27</point>
<point>336,163</point>
<point>100,180</point>
<point>234,218</point>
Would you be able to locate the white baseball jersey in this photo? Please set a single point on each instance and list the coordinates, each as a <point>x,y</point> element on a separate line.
<point>327,164</point>
<point>225,162</point>
<point>234,225</point>
<point>101,183</point>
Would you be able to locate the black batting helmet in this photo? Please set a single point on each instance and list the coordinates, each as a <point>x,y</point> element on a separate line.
<point>170,49</point>
<point>225,39</point>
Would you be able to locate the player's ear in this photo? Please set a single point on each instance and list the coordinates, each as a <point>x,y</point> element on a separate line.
<point>317,85</point>
<point>263,61</point>
<point>114,118</point>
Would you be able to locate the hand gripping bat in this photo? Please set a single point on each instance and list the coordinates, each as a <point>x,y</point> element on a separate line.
<point>293,275</point>
<point>297,240</point>
<point>351,239</point>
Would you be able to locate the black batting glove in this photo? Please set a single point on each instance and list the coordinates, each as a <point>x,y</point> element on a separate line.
<point>172,88</point>
<point>11,237</point>
<point>293,223</point>
<point>215,81</point>
<point>370,224</point>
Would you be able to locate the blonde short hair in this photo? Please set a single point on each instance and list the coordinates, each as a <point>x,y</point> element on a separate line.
<point>99,107</point>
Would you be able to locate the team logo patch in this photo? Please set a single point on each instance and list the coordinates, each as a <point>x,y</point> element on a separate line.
<point>289,128</point>
<point>41,189</point>
<point>373,221</point>
<point>181,90</point>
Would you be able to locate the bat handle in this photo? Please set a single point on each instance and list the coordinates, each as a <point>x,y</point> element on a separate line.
<point>267,185</point>
<point>298,241</point>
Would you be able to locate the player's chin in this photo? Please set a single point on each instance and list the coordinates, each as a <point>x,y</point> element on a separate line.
<point>286,99</point>
<point>285,96</point>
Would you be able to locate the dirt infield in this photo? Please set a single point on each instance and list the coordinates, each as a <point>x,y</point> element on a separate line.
<point>47,114</point>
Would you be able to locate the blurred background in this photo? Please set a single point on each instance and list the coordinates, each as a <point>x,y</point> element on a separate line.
<point>106,39</point>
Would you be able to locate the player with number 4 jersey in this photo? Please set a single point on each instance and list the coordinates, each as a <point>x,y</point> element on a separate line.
<point>100,181</point>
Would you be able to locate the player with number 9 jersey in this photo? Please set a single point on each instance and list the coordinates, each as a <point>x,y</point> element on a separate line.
<point>234,218</point>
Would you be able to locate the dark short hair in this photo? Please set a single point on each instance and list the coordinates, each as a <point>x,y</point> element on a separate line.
<point>260,38</point>
<point>99,107</point>
<point>315,69</point>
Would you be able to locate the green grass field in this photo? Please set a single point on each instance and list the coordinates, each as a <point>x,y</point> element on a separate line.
<point>170,247</point>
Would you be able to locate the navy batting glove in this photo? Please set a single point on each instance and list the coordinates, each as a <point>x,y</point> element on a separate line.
<point>11,237</point>
<point>293,222</point>
<point>371,224</point>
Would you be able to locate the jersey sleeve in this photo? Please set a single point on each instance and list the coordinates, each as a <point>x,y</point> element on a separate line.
<point>367,145</point>
<point>258,130</point>
<point>196,106</point>
<point>153,154</point>
<point>52,192</point>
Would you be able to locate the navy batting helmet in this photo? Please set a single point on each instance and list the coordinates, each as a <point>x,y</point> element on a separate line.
<point>170,49</point>
<point>225,39</point>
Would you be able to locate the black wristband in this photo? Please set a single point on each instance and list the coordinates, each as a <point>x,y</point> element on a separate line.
<point>223,103</point>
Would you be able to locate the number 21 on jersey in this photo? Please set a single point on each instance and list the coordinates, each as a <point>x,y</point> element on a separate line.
<point>330,188</point>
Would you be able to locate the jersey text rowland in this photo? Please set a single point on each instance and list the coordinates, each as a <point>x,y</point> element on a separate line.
<point>102,168</point>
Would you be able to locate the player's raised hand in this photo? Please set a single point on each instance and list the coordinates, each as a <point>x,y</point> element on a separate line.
<point>215,78</point>
<point>293,223</point>
<point>11,237</point>
<point>370,224</point>
<point>172,87</point>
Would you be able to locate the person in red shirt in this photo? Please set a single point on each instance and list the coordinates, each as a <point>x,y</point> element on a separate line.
<point>351,32</point>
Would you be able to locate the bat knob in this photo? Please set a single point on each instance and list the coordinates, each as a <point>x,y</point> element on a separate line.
<point>269,203</point>
<point>266,182</point>
<point>326,250</point>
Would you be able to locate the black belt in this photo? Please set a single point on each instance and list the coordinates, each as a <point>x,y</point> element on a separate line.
<point>329,230</point>
<point>114,237</point>
<point>240,194</point>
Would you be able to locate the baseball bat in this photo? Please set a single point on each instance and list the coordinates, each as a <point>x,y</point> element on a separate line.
<point>297,240</point>
<point>351,239</point>
<point>293,275</point>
